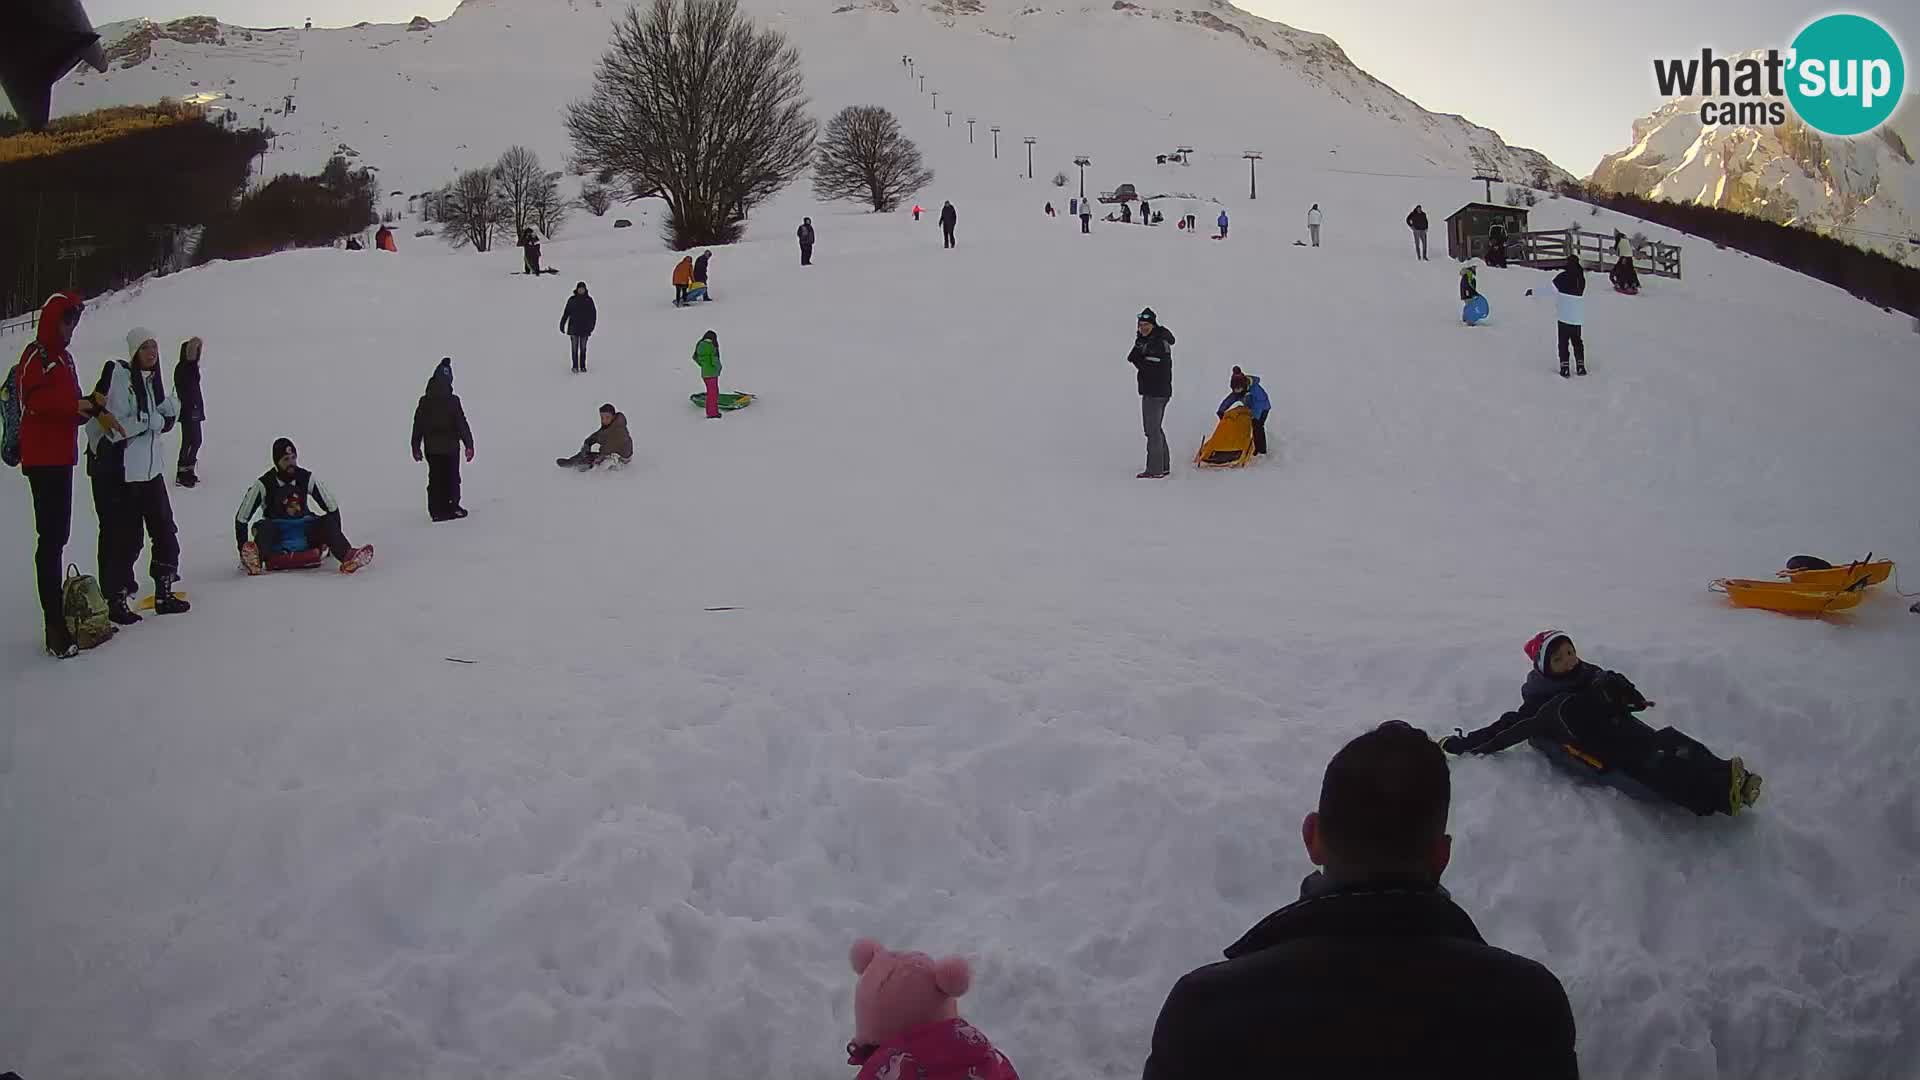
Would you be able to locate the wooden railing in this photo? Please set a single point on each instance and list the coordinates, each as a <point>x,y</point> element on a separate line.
<point>1550,249</point>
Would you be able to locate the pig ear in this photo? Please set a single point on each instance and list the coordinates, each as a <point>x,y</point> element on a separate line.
<point>952,976</point>
<point>863,953</point>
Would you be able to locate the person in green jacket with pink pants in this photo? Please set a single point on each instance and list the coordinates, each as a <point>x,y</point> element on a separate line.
<point>707,354</point>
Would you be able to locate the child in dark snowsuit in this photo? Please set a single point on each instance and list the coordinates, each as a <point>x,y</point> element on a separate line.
<point>193,411</point>
<point>1246,390</point>
<point>1581,717</point>
<point>440,430</point>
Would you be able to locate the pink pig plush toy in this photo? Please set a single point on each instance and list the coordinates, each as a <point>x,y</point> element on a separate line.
<point>907,1024</point>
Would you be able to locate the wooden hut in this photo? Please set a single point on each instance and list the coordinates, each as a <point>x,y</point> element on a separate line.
<point>1467,227</point>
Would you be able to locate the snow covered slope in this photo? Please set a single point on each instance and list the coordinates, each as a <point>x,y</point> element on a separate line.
<point>420,102</point>
<point>1865,190</point>
<point>979,689</point>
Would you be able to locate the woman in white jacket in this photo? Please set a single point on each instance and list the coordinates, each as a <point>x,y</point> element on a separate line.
<point>146,413</point>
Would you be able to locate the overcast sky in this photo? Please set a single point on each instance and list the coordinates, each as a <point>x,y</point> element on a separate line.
<point>1565,78</point>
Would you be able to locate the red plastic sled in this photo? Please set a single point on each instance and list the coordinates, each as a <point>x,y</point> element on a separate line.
<point>295,560</point>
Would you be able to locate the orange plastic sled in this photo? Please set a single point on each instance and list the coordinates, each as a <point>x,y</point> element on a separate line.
<point>1876,572</point>
<point>1231,444</point>
<point>1791,598</point>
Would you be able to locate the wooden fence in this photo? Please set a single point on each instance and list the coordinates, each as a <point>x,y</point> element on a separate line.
<point>1549,250</point>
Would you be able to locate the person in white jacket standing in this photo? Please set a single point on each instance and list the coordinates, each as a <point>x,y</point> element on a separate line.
<point>146,413</point>
<point>1313,223</point>
<point>1569,299</point>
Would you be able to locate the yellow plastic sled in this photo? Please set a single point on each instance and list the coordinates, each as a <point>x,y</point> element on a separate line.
<point>1790,597</point>
<point>1231,444</point>
<point>1875,572</point>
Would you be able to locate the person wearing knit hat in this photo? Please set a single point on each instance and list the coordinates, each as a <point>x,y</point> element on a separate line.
<point>133,461</point>
<point>577,321</point>
<point>609,443</point>
<point>299,518</point>
<point>1152,360</point>
<point>1245,389</point>
<point>906,1019</point>
<point>1582,717</point>
<point>193,412</point>
<point>440,432</point>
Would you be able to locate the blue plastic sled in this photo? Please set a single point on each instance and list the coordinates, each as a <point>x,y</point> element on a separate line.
<point>694,295</point>
<point>1475,310</point>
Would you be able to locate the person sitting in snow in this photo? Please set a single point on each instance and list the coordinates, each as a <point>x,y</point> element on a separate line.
<point>1246,390</point>
<point>1469,282</point>
<point>299,518</point>
<point>906,1020</point>
<point>1575,711</point>
<point>609,440</point>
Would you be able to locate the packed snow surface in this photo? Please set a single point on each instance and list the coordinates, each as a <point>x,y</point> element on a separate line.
<point>514,802</point>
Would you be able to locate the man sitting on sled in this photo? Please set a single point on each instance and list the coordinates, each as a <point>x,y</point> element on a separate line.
<point>299,520</point>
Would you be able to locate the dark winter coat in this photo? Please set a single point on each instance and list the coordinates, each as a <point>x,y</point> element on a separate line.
<point>580,316</point>
<point>439,422</point>
<point>1152,360</point>
<point>700,268</point>
<point>1388,979</point>
<point>186,382</point>
<point>806,235</point>
<point>610,439</point>
<point>1586,701</point>
<point>1572,281</point>
<point>948,218</point>
<point>1417,220</point>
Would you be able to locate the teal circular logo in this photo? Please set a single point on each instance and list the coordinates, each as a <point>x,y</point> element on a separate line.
<point>1846,75</point>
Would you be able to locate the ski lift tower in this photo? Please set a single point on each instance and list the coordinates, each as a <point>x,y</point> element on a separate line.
<point>1083,161</point>
<point>1253,187</point>
<point>1489,181</point>
<point>1186,154</point>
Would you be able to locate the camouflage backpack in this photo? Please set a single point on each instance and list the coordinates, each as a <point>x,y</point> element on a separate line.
<point>84,607</point>
<point>10,417</point>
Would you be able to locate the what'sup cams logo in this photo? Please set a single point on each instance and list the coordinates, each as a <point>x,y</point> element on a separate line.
<point>1843,75</point>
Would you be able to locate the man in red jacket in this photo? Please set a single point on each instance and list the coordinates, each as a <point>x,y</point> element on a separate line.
<point>51,412</point>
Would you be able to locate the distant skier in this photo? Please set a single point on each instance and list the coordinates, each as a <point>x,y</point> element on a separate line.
<point>1569,290</point>
<point>530,243</point>
<point>948,218</point>
<point>440,432</point>
<point>1152,360</point>
<point>1417,221</point>
<point>916,211</point>
<point>608,441</point>
<point>706,356</point>
<point>1050,212</point>
<point>1221,223</point>
<point>805,235</point>
<point>1146,212</point>
<point>193,411</point>
<point>577,322</point>
<point>1086,217</point>
<point>1245,389</point>
<point>1582,718</point>
<point>300,517</point>
<point>1313,223</point>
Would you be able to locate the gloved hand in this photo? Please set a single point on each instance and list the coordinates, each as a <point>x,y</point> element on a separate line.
<point>416,455</point>
<point>469,453</point>
<point>168,425</point>
<point>1455,743</point>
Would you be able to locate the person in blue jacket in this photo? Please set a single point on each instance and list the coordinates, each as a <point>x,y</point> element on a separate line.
<point>1222,222</point>
<point>1246,390</point>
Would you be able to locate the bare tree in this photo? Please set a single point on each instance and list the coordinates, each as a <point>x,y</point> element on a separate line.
<point>692,101</point>
<point>864,157</point>
<point>549,209</point>
<point>598,200</point>
<point>472,210</point>
<point>519,178</point>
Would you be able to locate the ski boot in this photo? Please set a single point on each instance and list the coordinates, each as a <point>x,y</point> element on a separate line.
<point>1580,368</point>
<point>164,601</point>
<point>1563,370</point>
<point>60,644</point>
<point>361,556</point>
<point>1744,788</point>
<point>119,612</point>
<point>250,559</point>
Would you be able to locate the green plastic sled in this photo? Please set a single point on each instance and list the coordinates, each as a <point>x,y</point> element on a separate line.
<point>728,402</point>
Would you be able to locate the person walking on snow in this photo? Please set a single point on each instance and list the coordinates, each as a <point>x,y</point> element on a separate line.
<point>1086,216</point>
<point>193,411</point>
<point>700,273</point>
<point>706,354</point>
<point>52,411</point>
<point>1417,221</point>
<point>1313,223</point>
<point>916,211</point>
<point>138,398</point>
<point>682,280</point>
<point>1152,360</point>
<point>1569,292</point>
<point>298,514</point>
<point>1245,389</point>
<point>440,431</point>
<point>948,218</point>
<point>577,322</point>
<point>806,241</point>
<point>1221,222</point>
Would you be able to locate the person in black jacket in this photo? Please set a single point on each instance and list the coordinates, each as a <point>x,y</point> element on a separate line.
<point>1417,221</point>
<point>806,241</point>
<point>440,430</point>
<point>948,219</point>
<point>577,322</point>
<point>700,272</point>
<point>1581,717</point>
<point>1374,971</point>
<point>193,411</point>
<point>1152,360</point>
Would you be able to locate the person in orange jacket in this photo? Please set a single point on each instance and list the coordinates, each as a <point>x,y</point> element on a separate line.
<point>682,277</point>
